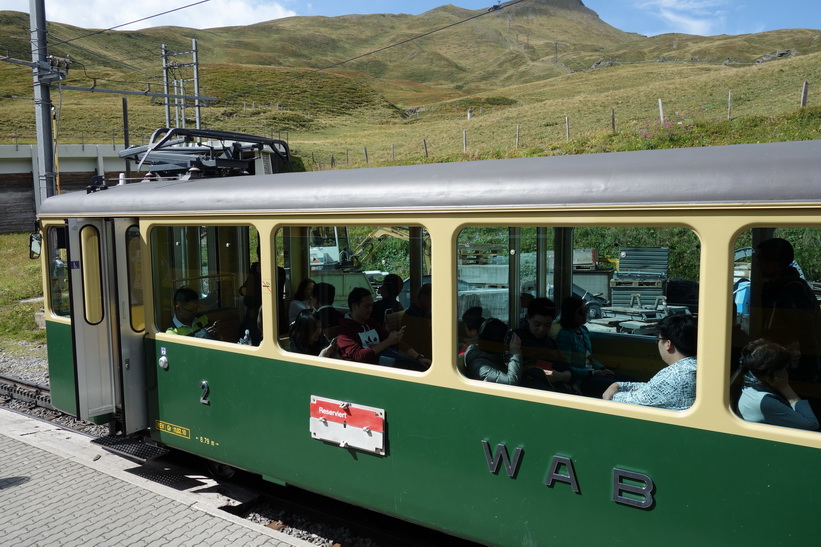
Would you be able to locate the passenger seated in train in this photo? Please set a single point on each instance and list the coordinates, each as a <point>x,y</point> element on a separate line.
<point>389,290</point>
<point>573,340</point>
<point>364,341</point>
<point>543,366</point>
<point>766,395</point>
<point>187,320</point>
<point>303,299</point>
<point>326,313</point>
<point>789,304</point>
<point>471,323</point>
<point>306,336</point>
<point>674,386</point>
<point>486,359</point>
<point>417,321</point>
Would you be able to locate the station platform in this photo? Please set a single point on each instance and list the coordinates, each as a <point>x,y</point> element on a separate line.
<point>59,489</point>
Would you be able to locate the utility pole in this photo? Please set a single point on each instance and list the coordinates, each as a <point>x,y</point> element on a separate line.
<point>43,75</point>
<point>197,106</point>
<point>165,84</point>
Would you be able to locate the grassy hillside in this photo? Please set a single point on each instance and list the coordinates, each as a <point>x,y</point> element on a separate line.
<point>691,94</point>
<point>525,66</point>
<point>455,57</point>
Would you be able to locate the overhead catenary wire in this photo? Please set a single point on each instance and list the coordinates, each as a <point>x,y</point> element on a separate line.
<point>378,50</point>
<point>133,22</point>
<point>69,41</point>
<point>302,75</point>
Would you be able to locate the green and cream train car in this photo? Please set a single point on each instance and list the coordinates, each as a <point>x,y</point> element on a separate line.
<point>498,464</point>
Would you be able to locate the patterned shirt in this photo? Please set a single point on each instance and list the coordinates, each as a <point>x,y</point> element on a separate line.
<point>673,387</point>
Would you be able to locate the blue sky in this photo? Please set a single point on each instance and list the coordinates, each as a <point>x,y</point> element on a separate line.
<point>649,17</point>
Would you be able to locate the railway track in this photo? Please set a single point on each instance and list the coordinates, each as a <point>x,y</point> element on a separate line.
<point>27,392</point>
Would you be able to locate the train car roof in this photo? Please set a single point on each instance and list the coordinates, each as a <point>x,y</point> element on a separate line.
<point>736,174</point>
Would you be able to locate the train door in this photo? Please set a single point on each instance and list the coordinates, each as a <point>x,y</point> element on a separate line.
<point>108,321</point>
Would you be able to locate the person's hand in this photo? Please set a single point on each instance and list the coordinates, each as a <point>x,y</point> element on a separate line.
<point>515,343</point>
<point>610,391</point>
<point>212,328</point>
<point>604,373</point>
<point>780,380</point>
<point>332,351</point>
<point>425,362</point>
<point>395,336</point>
<point>559,376</point>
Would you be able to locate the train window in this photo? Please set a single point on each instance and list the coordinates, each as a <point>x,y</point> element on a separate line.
<point>92,274</point>
<point>383,270</point>
<point>584,305</point>
<point>135,287</point>
<point>58,271</point>
<point>204,282</point>
<point>776,342</point>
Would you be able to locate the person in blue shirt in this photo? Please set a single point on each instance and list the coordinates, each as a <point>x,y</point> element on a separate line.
<point>576,349</point>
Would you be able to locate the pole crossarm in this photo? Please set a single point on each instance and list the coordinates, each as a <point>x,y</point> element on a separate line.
<point>144,93</point>
<point>50,69</point>
<point>18,61</point>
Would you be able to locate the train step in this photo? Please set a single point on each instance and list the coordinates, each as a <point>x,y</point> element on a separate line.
<point>131,447</point>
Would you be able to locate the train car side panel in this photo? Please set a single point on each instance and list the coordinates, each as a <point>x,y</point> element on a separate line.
<point>496,469</point>
<point>62,380</point>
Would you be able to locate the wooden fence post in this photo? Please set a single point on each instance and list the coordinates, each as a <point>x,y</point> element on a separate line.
<point>465,140</point>
<point>517,136</point>
<point>661,112</point>
<point>347,159</point>
<point>805,92</point>
<point>333,162</point>
<point>613,120</point>
<point>425,146</point>
<point>567,127</point>
<point>365,148</point>
<point>730,106</point>
<point>393,152</point>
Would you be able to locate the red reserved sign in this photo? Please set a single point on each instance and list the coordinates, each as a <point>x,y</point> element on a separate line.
<point>349,414</point>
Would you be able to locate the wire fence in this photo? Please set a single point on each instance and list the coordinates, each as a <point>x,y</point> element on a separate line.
<point>489,138</point>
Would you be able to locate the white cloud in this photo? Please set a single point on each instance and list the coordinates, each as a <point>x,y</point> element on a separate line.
<point>704,17</point>
<point>101,14</point>
<point>689,24</point>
